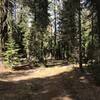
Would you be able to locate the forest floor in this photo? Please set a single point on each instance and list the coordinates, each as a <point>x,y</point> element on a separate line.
<point>61,82</point>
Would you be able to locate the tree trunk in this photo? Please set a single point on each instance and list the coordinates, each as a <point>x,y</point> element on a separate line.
<point>3,23</point>
<point>97,3</point>
<point>3,27</point>
<point>55,28</point>
<point>80,40</point>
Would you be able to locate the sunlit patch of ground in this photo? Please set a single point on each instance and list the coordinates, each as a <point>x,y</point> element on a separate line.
<point>52,83</point>
<point>4,69</point>
<point>37,73</point>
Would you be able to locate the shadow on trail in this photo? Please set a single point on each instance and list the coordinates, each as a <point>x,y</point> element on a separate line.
<point>65,86</point>
<point>12,74</point>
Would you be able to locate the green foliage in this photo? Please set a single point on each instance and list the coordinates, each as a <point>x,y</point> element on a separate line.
<point>28,35</point>
<point>68,28</point>
<point>11,53</point>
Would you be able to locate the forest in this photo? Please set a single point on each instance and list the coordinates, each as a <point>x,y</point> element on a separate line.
<point>54,42</point>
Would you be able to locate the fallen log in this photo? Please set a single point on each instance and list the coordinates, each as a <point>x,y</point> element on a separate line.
<point>23,67</point>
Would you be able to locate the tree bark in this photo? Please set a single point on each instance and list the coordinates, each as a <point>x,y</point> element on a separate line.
<point>80,40</point>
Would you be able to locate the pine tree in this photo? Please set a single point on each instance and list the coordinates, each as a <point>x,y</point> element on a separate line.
<point>11,53</point>
<point>68,28</point>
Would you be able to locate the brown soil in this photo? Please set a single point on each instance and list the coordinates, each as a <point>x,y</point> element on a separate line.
<point>56,83</point>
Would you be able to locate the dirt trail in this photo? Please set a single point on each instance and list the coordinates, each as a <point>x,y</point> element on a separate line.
<point>56,83</point>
